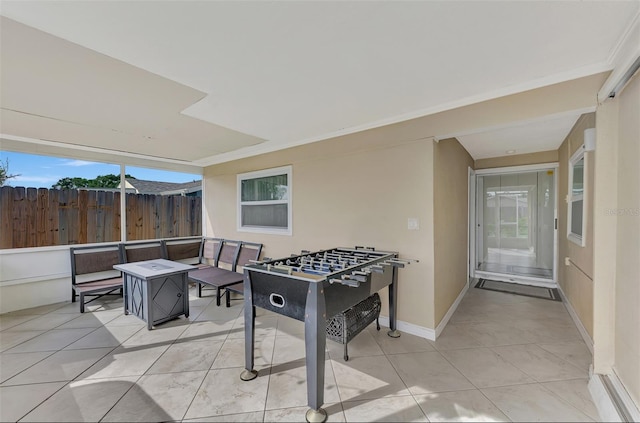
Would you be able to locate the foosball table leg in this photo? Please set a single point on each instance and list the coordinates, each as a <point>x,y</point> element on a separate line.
<point>249,332</point>
<point>249,336</point>
<point>315,329</point>
<point>393,303</point>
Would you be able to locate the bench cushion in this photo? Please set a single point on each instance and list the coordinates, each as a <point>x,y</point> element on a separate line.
<point>100,285</point>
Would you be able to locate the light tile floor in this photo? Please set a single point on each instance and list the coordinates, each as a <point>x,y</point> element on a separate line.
<point>501,358</point>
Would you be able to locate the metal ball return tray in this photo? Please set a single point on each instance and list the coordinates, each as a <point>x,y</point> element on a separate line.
<point>343,327</point>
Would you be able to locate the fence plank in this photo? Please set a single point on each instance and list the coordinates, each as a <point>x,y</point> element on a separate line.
<point>107,207</point>
<point>83,203</point>
<point>147,216</point>
<point>31,216</point>
<point>42,226</point>
<point>53,217</point>
<point>92,216</point>
<point>160,223</point>
<point>6,217</point>
<point>63,217</point>
<point>73,216</point>
<point>169,219</point>
<point>132,217</point>
<point>19,214</point>
<point>183,221</point>
<point>196,211</point>
<point>157,210</point>
<point>115,235</point>
<point>100,217</point>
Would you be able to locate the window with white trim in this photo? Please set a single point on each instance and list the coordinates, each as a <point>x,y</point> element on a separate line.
<point>576,216</point>
<point>264,201</point>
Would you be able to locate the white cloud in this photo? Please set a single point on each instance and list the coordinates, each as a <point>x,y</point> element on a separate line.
<point>76,163</point>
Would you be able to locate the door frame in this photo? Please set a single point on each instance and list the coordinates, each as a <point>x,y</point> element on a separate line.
<point>473,234</point>
<point>471,227</point>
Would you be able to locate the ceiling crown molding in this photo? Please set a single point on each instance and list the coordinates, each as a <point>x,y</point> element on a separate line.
<point>622,58</point>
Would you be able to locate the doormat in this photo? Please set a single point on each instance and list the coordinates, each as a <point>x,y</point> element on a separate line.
<point>518,289</point>
<point>530,271</point>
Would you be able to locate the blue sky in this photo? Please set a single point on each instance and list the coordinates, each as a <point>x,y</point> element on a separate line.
<point>43,171</point>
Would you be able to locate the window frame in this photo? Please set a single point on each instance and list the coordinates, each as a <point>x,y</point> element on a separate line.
<point>579,239</point>
<point>277,171</point>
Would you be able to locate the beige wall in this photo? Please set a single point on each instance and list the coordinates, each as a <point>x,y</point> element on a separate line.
<point>451,199</point>
<point>627,299</point>
<point>605,236</point>
<point>355,190</point>
<point>617,232</point>
<point>576,280</point>
<point>518,160</point>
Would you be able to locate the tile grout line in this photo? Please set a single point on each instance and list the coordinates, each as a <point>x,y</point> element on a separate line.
<point>400,377</point>
<point>340,400</point>
<point>120,399</point>
<point>42,402</point>
<point>275,336</point>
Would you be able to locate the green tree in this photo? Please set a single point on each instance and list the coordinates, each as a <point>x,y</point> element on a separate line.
<point>4,172</point>
<point>71,183</point>
<point>102,181</point>
<point>106,181</point>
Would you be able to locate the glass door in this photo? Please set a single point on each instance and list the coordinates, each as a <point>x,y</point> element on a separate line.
<point>516,226</point>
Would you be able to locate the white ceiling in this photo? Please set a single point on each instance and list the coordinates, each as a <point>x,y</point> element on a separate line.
<point>519,138</point>
<point>267,75</point>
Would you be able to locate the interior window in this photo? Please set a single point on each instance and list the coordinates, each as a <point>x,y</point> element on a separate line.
<point>576,199</point>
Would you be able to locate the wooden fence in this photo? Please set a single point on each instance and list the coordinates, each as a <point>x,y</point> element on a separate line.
<point>40,217</point>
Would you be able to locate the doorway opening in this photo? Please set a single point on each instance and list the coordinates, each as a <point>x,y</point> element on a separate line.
<point>515,222</point>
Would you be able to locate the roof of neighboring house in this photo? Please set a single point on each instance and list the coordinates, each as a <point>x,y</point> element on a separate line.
<point>156,187</point>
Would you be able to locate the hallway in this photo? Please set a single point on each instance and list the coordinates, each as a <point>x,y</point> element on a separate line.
<point>502,357</point>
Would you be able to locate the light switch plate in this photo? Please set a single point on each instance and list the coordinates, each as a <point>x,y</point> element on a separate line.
<point>413,224</point>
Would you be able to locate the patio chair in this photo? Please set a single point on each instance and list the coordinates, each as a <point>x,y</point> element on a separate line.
<point>249,253</point>
<point>223,254</point>
<point>92,272</point>
<point>224,273</point>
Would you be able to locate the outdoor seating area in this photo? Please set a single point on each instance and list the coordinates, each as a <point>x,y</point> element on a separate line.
<point>525,361</point>
<point>217,261</point>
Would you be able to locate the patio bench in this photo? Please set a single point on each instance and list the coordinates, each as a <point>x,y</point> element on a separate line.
<point>142,250</point>
<point>230,255</point>
<point>92,272</point>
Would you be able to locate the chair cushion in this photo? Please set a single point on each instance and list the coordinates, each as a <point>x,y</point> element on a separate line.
<point>216,276</point>
<point>236,287</point>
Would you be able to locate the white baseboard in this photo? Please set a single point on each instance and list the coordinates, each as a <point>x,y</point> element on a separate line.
<point>612,400</point>
<point>451,310</point>
<point>423,332</point>
<point>574,316</point>
<point>410,328</point>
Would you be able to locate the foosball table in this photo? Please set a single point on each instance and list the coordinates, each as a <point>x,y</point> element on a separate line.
<point>313,287</point>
